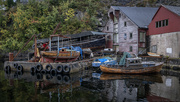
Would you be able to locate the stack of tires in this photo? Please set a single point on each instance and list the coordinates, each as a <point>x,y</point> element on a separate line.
<point>60,71</point>
<point>18,67</point>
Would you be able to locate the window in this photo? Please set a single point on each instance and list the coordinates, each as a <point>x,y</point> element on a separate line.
<point>115,38</point>
<point>107,28</point>
<point>162,23</point>
<point>125,36</point>
<point>116,28</point>
<point>130,36</point>
<point>125,24</point>
<point>115,19</point>
<point>154,49</point>
<point>156,24</point>
<point>142,36</point>
<point>166,22</point>
<point>159,23</point>
<point>130,49</point>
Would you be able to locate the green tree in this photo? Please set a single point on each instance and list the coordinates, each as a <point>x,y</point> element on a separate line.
<point>19,23</point>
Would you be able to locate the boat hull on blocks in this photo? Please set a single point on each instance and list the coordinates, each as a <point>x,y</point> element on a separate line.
<point>62,56</point>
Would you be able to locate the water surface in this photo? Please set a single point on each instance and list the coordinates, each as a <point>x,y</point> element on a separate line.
<point>88,86</point>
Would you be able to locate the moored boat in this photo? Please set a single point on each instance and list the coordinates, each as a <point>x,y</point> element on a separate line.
<point>153,54</point>
<point>133,66</point>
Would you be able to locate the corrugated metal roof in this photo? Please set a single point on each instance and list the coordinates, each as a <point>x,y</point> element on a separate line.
<point>174,9</point>
<point>141,16</point>
<point>82,34</point>
<point>87,33</point>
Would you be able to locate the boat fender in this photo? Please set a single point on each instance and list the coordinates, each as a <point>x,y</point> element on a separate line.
<point>15,65</point>
<point>39,76</point>
<point>59,77</point>
<point>48,67</point>
<point>43,71</point>
<point>66,69</point>
<point>59,68</point>
<point>15,75</point>
<point>7,68</point>
<point>19,73</point>
<point>33,73</point>
<point>19,68</point>
<point>48,76</point>
<point>39,67</point>
<point>33,69</point>
<point>53,72</point>
<point>66,79</point>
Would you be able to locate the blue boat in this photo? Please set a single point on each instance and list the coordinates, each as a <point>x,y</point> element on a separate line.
<point>105,60</point>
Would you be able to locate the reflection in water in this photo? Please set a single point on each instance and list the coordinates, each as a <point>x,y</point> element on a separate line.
<point>128,88</point>
<point>169,89</point>
<point>87,86</point>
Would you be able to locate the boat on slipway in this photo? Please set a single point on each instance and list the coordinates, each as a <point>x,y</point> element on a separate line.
<point>132,66</point>
<point>64,54</point>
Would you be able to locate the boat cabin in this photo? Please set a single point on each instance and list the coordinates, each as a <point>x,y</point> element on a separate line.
<point>133,61</point>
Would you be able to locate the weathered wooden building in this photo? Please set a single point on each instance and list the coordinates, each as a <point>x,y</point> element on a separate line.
<point>164,31</point>
<point>127,28</point>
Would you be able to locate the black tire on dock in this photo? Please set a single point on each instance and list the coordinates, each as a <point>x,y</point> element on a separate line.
<point>7,68</point>
<point>8,72</point>
<point>66,79</point>
<point>53,72</point>
<point>43,71</point>
<point>39,67</point>
<point>48,67</point>
<point>48,76</point>
<point>33,73</point>
<point>59,77</point>
<point>66,69</point>
<point>15,75</point>
<point>19,68</point>
<point>39,76</point>
<point>19,73</point>
<point>59,68</point>
<point>15,65</point>
<point>33,69</point>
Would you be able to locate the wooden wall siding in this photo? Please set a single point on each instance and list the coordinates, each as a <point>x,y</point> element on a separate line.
<point>162,14</point>
<point>142,44</point>
<point>109,40</point>
<point>124,45</point>
<point>131,27</point>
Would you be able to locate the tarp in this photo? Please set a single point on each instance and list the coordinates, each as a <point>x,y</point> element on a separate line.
<point>123,59</point>
<point>102,60</point>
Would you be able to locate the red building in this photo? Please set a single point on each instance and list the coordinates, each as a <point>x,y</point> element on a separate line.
<point>164,31</point>
<point>166,20</point>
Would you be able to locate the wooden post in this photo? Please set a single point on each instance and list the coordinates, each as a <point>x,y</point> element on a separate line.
<point>58,45</point>
<point>11,56</point>
<point>35,48</point>
<point>49,44</point>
